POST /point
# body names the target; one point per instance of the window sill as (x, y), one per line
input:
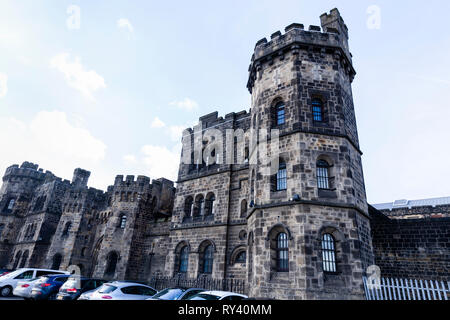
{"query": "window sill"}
(328, 193)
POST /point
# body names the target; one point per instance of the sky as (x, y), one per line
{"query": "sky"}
(109, 85)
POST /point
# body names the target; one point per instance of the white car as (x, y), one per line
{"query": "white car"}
(218, 295)
(122, 290)
(23, 288)
(9, 281)
(87, 295)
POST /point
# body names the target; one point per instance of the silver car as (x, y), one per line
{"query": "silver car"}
(24, 287)
(122, 290)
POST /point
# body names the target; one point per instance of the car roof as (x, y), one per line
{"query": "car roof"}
(123, 283)
(222, 293)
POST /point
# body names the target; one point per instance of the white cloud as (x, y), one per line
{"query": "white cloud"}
(176, 132)
(156, 161)
(186, 104)
(77, 77)
(158, 123)
(125, 23)
(3, 84)
(50, 140)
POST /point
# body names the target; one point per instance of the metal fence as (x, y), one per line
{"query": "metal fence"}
(406, 289)
(233, 285)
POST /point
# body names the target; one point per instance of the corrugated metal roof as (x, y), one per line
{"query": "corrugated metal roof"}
(413, 203)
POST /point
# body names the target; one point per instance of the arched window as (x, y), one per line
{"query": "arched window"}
(209, 204)
(123, 221)
(208, 258)
(282, 252)
(83, 252)
(24, 259)
(16, 261)
(188, 203)
(244, 208)
(199, 206)
(184, 260)
(10, 204)
(280, 111)
(328, 253)
(111, 264)
(280, 179)
(317, 110)
(241, 257)
(2, 226)
(323, 175)
(66, 229)
(57, 258)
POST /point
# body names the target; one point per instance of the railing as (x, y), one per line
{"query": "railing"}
(233, 285)
(406, 289)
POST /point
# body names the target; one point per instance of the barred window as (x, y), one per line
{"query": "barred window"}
(282, 252)
(328, 253)
(184, 257)
(281, 177)
(199, 206)
(123, 221)
(317, 109)
(280, 113)
(208, 258)
(11, 204)
(323, 175)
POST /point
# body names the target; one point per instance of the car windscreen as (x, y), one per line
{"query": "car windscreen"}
(73, 282)
(202, 296)
(168, 294)
(107, 288)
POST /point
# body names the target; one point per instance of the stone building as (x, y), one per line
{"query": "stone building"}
(274, 196)
(51, 223)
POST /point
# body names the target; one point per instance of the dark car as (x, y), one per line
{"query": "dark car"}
(176, 294)
(48, 286)
(74, 287)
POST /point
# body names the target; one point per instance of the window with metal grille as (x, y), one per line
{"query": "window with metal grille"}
(317, 109)
(123, 221)
(282, 177)
(184, 256)
(11, 204)
(282, 252)
(280, 114)
(328, 253)
(323, 175)
(208, 258)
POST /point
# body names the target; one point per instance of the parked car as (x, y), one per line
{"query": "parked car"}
(9, 281)
(87, 295)
(176, 294)
(24, 287)
(72, 289)
(218, 295)
(48, 287)
(123, 290)
(5, 271)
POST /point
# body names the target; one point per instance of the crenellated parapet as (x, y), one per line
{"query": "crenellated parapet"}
(28, 170)
(331, 37)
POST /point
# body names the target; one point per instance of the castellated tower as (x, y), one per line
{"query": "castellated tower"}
(301, 230)
(309, 229)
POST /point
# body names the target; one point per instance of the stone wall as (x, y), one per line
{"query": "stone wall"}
(412, 248)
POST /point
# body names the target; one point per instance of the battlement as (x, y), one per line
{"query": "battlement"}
(28, 170)
(213, 120)
(130, 183)
(331, 36)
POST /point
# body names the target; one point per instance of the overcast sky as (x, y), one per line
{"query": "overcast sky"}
(108, 85)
